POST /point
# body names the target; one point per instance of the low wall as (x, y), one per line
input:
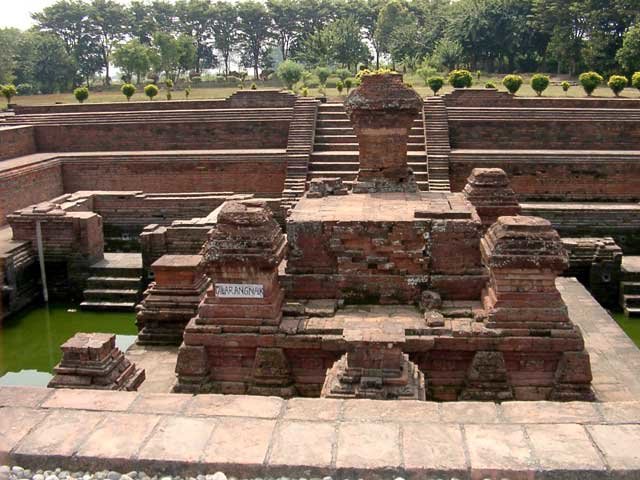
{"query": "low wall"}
(242, 98)
(16, 141)
(556, 175)
(195, 135)
(29, 185)
(477, 97)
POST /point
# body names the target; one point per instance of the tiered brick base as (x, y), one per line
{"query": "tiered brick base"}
(92, 360)
(172, 300)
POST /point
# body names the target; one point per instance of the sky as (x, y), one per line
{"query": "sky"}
(17, 13)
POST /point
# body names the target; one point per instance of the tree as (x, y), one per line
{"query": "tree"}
(290, 73)
(225, 31)
(317, 49)
(617, 83)
(128, 90)
(286, 23)
(590, 81)
(348, 47)
(628, 56)
(323, 74)
(512, 83)
(391, 17)
(8, 92)
(255, 33)
(175, 55)
(109, 19)
(565, 86)
(81, 94)
(448, 54)
(151, 91)
(196, 19)
(133, 59)
(9, 39)
(45, 63)
(539, 83)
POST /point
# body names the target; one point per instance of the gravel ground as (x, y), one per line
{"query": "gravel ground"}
(19, 473)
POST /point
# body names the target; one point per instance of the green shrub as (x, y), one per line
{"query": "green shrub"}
(348, 83)
(305, 92)
(460, 78)
(290, 73)
(128, 90)
(254, 86)
(241, 86)
(565, 86)
(8, 92)
(590, 81)
(168, 83)
(151, 91)
(635, 80)
(339, 86)
(489, 84)
(435, 84)
(343, 73)
(478, 74)
(512, 83)
(539, 83)
(323, 74)
(81, 94)
(617, 83)
(169, 95)
(25, 89)
(187, 92)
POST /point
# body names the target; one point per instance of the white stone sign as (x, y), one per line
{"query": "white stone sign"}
(239, 290)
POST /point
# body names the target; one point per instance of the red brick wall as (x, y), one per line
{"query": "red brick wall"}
(198, 174)
(29, 185)
(16, 141)
(164, 136)
(538, 178)
(544, 134)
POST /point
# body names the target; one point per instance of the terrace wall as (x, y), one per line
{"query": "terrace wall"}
(16, 141)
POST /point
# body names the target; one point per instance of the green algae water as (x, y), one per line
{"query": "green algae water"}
(631, 326)
(30, 341)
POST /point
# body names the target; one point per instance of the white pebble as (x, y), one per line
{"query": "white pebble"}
(219, 476)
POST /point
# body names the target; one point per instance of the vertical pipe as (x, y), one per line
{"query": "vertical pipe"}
(43, 274)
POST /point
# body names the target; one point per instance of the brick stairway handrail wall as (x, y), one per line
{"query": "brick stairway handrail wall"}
(268, 436)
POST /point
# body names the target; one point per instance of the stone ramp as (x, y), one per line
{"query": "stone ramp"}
(268, 436)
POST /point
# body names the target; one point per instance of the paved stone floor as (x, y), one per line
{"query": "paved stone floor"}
(268, 436)
(631, 263)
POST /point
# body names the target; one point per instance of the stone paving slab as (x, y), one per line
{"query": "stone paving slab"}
(269, 436)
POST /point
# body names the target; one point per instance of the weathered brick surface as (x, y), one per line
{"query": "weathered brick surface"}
(29, 185)
(149, 135)
(16, 141)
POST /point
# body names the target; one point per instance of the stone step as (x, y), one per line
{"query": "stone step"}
(630, 288)
(631, 301)
(111, 295)
(632, 312)
(108, 306)
(113, 282)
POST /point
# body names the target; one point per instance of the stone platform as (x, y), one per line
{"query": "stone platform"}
(268, 436)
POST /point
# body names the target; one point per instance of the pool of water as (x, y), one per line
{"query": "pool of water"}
(30, 342)
(631, 326)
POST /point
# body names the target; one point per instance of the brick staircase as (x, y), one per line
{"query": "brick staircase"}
(335, 152)
(630, 286)
(299, 147)
(115, 283)
(436, 133)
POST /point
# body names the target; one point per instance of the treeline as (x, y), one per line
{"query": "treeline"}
(76, 41)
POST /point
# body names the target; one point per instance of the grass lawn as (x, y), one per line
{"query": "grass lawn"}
(631, 326)
(223, 92)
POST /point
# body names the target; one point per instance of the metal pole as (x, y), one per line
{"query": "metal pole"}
(43, 273)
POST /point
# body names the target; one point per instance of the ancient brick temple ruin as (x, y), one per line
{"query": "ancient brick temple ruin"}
(92, 361)
(386, 291)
